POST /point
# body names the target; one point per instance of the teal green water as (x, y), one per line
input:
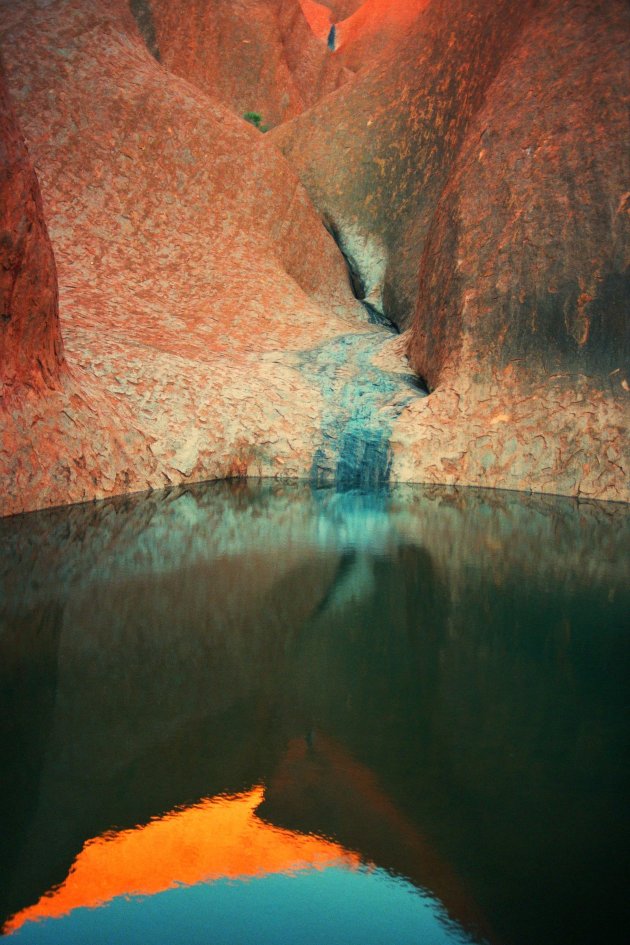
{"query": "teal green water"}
(428, 689)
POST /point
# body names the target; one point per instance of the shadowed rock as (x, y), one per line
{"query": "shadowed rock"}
(30, 339)
(376, 156)
(528, 255)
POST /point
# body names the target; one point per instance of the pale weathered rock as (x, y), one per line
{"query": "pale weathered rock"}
(185, 247)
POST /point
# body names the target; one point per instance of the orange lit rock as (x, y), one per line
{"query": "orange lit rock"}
(376, 26)
(340, 9)
(254, 55)
(30, 339)
(318, 17)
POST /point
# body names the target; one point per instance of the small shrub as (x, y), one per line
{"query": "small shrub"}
(255, 119)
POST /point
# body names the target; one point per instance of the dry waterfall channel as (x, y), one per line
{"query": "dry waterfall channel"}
(362, 401)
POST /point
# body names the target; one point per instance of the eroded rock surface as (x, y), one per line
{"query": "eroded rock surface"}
(528, 257)
(190, 262)
(473, 175)
(256, 56)
(474, 178)
(522, 315)
(376, 156)
(375, 27)
(30, 339)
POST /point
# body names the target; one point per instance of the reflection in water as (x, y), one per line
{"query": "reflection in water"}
(217, 838)
(433, 678)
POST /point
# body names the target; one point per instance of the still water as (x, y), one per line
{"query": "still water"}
(265, 714)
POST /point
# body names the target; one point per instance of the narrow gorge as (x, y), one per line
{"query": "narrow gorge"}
(178, 310)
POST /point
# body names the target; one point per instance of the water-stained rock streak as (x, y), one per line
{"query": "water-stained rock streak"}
(362, 401)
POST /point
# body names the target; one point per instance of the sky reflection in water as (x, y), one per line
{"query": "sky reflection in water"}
(267, 713)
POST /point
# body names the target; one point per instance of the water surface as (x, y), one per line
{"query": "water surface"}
(262, 713)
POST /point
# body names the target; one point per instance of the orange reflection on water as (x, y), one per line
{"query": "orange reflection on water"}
(219, 838)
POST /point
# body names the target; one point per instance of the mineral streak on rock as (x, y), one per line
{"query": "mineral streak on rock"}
(30, 340)
(362, 401)
(143, 15)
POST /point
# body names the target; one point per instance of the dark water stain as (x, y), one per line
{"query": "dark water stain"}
(143, 15)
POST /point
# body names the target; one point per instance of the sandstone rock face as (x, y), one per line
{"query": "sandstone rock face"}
(191, 264)
(321, 16)
(30, 339)
(318, 17)
(340, 9)
(375, 27)
(522, 320)
(477, 185)
(256, 56)
(375, 156)
(527, 262)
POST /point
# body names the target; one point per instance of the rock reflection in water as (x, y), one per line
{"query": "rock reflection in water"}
(434, 679)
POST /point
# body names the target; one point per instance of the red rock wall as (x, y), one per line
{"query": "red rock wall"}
(30, 339)
(521, 324)
(527, 262)
(377, 26)
(322, 15)
(191, 264)
(253, 55)
(376, 156)
(315, 71)
(341, 9)
(194, 270)
(318, 17)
